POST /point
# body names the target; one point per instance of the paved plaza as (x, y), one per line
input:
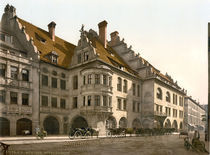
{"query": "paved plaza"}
(148, 145)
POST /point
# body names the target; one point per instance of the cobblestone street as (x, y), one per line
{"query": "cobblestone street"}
(151, 145)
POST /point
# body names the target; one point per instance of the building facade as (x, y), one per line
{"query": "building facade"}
(50, 83)
(162, 98)
(195, 115)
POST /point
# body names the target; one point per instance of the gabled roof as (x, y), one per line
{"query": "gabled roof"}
(110, 56)
(45, 45)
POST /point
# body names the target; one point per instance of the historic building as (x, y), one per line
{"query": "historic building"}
(50, 83)
(195, 115)
(19, 77)
(162, 98)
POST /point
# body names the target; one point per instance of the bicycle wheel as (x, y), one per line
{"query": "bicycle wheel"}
(87, 134)
(77, 134)
(109, 134)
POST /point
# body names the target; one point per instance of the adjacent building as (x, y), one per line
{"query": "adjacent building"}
(195, 115)
(50, 83)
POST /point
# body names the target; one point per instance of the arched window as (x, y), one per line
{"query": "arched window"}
(159, 93)
(168, 97)
(119, 84)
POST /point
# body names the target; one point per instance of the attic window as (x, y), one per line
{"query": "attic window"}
(116, 64)
(54, 59)
(6, 38)
(86, 56)
(41, 39)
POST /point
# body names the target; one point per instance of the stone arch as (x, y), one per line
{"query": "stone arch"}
(180, 125)
(79, 122)
(136, 123)
(175, 125)
(23, 124)
(111, 122)
(123, 122)
(167, 123)
(4, 127)
(51, 125)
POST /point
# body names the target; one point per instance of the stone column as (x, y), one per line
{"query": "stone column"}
(101, 100)
(7, 97)
(19, 98)
(13, 123)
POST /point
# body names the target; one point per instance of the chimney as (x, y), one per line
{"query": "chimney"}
(102, 32)
(51, 28)
(114, 38)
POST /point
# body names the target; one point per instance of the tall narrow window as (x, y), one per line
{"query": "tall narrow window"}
(134, 89)
(119, 103)
(159, 94)
(25, 75)
(124, 104)
(97, 78)
(54, 102)
(44, 101)
(134, 106)
(110, 101)
(138, 90)
(119, 84)
(125, 87)
(110, 81)
(74, 102)
(63, 84)
(89, 78)
(2, 70)
(86, 56)
(79, 58)
(168, 97)
(174, 100)
(2, 96)
(104, 79)
(62, 103)
(75, 82)
(139, 107)
(13, 98)
(54, 82)
(84, 80)
(14, 72)
(104, 100)
(44, 80)
(84, 98)
(97, 100)
(25, 99)
(89, 100)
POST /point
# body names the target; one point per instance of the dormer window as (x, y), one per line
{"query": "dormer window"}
(6, 38)
(54, 57)
(41, 39)
(86, 56)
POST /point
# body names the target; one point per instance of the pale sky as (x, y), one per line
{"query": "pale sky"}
(170, 34)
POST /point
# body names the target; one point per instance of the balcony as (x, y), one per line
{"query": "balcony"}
(16, 109)
(95, 109)
(158, 113)
(53, 110)
(96, 88)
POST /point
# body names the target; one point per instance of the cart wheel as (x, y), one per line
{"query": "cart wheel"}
(87, 134)
(108, 134)
(77, 134)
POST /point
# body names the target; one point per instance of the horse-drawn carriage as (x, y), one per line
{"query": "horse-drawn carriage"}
(196, 145)
(116, 132)
(82, 133)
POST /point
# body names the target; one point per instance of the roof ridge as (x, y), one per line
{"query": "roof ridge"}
(43, 30)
